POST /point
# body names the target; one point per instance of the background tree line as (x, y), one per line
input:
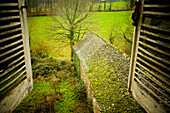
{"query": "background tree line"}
(48, 7)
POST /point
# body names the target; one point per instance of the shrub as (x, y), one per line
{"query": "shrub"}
(46, 66)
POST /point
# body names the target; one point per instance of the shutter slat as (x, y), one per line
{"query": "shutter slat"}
(156, 35)
(10, 25)
(12, 44)
(153, 67)
(156, 42)
(9, 18)
(153, 80)
(155, 28)
(11, 31)
(10, 69)
(12, 86)
(158, 90)
(12, 56)
(156, 13)
(15, 61)
(150, 91)
(154, 61)
(1, 82)
(156, 6)
(153, 48)
(153, 73)
(9, 38)
(152, 55)
(9, 11)
(11, 82)
(9, 4)
(12, 50)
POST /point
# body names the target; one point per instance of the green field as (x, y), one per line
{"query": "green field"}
(102, 23)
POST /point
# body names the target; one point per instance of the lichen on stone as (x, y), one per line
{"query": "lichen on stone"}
(108, 74)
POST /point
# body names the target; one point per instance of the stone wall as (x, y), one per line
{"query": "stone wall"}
(104, 70)
(89, 89)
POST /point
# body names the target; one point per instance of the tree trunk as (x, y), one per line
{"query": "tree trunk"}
(105, 5)
(71, 48)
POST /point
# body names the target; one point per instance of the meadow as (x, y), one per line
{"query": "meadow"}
(103, 23)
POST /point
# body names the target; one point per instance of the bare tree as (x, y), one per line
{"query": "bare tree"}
(70, 26)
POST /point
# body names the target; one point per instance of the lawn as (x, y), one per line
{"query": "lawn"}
(40, 36)
(102, 23)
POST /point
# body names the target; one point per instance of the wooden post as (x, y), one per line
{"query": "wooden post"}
(23, 18)
(135, 46)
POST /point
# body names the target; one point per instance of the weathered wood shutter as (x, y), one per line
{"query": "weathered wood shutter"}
(15, 64)
(149, 78)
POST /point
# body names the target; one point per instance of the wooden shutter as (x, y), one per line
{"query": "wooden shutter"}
(15, 64)
(149, 78)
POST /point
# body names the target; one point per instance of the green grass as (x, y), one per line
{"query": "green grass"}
(35, 98)
(40, 33)
(105, 22)
(102, 23)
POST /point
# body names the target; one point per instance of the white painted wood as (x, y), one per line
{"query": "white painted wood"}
(156, 35)
(10, 38)
(155, 28)
(154, 61)
(23, 18)
(9, 103)
(10, 69)
(144, 82)
(154, 74)
(12, 56)
(135, 47)
(9, 18)
(153, 80)
(4, 80)
(154, 48)
(9, 11)
(150, 84)
(146, 100)
(10, 25)
(156, 13)
(10, 31)
(11, 82)
(155, 57)
(12, 50)
(9, 4)
(12, 44)
(155, 41)
(16, 60)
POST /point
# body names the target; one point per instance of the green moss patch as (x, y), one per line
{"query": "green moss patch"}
(108, 74)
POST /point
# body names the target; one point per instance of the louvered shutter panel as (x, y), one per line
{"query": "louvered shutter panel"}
(15, 64)
(149, 79)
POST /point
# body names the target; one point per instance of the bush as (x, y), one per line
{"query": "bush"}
(44, 66)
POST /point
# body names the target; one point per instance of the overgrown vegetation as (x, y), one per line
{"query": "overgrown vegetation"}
(57, 88)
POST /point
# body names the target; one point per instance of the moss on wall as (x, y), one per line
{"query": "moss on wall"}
(108, 74)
